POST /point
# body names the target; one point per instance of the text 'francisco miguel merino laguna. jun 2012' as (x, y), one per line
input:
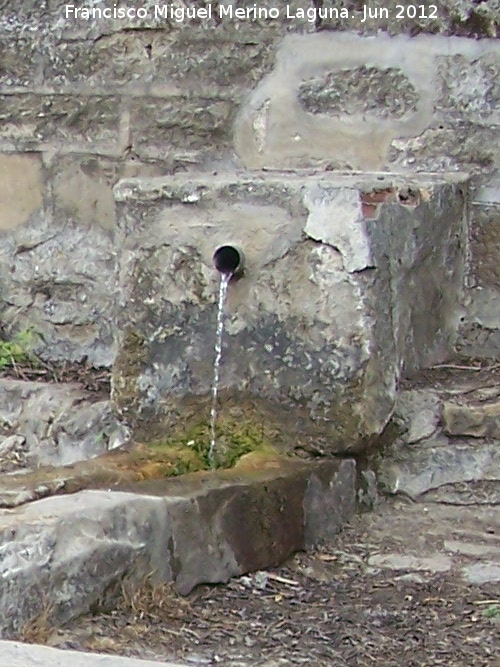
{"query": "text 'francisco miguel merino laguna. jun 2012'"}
(181, 14)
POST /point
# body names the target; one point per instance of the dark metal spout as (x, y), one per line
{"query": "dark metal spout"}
(229, 259)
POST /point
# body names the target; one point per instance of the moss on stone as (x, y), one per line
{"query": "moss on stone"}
(189, 450)
(165, 460)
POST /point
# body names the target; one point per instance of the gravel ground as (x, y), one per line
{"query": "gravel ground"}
(393, 590)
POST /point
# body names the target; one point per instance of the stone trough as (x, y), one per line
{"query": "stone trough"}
(64, 555)
(349, 281)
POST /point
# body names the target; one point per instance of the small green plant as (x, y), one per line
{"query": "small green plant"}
(492, 611)
(18, 350)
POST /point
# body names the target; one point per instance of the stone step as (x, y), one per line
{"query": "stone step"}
(61, 555)
(448, 447)
(15, 654)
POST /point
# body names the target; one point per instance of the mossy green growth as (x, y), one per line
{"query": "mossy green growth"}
(18, 350)
(492, 611)
(166, 460)
(190, 449)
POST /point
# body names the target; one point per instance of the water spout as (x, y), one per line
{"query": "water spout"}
(224, 282)
(229, 260)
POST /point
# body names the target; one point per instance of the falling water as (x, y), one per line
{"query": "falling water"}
(224, 282)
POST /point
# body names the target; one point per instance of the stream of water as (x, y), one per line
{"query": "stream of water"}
(224, 282)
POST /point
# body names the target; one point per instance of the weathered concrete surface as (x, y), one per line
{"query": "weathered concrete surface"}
(15, 654)
(62, 555)
(19, 172)
(53, 424)
(348, 280)
(357, 100)
(448, 449)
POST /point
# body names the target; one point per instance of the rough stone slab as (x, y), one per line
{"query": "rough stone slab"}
(481, 492)
(58, 280)
(480, 330)
(196, 60)
(471, 549)
(434, 563)
(29, 120)
(53, 424)
(15, 654)
(63, 554)
(482, 573)
(481, 420)
(419, 469)
(319, 329)
(182, 124)
(485, 238)
(417, 413)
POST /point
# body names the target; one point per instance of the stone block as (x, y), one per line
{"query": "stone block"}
(479, 332)
(417, 414)
(58, 281)
(20, 63)
(21, 189)
(29, 120)
(200, 60)
(111, 63)
(163, 62)
(469, 90)
(62, 555)
(54, 424)
(185, 126)
(82, 190)
(452, 17)
(316, 332)
(447, 147)
(484, 244)
(478, 419)
(438, 463)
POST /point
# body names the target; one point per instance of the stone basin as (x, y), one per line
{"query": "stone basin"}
(63, 555)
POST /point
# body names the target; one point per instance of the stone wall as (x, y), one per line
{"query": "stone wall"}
(86, 102)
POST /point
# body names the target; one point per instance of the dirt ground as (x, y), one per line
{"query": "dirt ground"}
(408, 585)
